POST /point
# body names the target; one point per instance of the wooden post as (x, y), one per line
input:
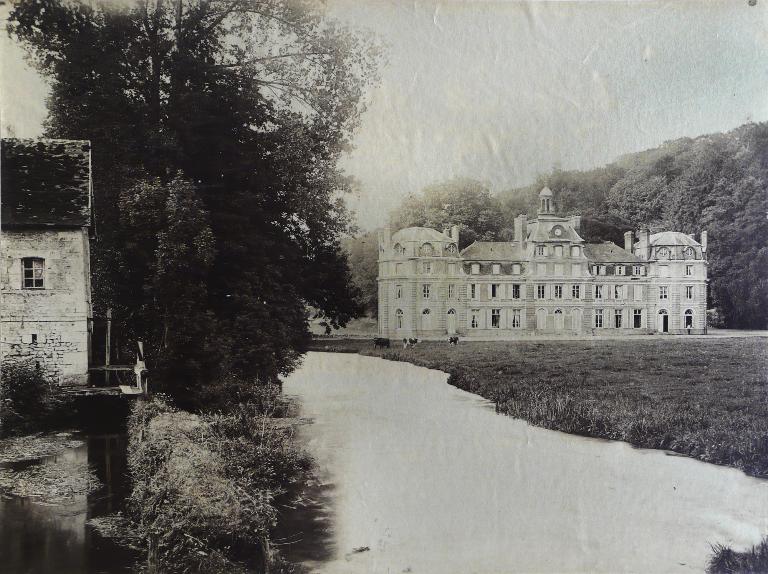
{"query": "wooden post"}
(108, 350)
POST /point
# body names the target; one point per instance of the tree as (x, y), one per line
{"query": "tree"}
(253, 101)
(363, 256)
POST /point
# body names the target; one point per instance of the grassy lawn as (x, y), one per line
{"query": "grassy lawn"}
(704, 398)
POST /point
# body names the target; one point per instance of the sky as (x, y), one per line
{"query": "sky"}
(503, 91)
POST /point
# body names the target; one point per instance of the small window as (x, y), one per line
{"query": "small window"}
(576, 291)
(33, 269)
(516, 269)
(515, 291)
(495, 318)
(617, 318)
(689, 270)
(598, 318)
(398, 291)
(516, 318)
(425, 290)
(598, 291)
(689, 291)
(496, 269)
(558, 291)
(475, 269)
(637, 269)
(451, 249)
(427, 250)
(399, 319)
(399, 249)
(427, 267)
(541, 250)
(540, 291)
(620, 269)
(662, 253)
(34, 338)
(475, 320)
(638, 318)
(689, 253)
(601, 269)
(451, 291)
(663, 292)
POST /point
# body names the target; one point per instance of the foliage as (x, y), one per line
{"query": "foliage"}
(204, 485)
(701, 397)
(464, 202)
(232, 115)
(725, 560)
(29, 401)
(363, 254)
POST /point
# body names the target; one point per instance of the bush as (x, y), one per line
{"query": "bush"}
(29, 401)
(204, 484)
(725, 560)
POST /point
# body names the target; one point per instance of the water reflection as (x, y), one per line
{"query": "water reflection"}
(429, 479)
(41, 538)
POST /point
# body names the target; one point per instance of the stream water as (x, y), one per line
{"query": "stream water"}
(418, 476)
(56, 539)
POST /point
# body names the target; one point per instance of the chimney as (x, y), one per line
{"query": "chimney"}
(455, 234)
(628, 241)
(576, 223)
(645, 238)
(521, 228)
(446, 231)
(703, 243)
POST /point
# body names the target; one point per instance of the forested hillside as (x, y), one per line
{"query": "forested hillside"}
(716, 182)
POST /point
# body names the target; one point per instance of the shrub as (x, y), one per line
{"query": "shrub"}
(29, 401)
(725, 560)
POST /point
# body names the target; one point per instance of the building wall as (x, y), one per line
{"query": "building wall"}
(50, 325)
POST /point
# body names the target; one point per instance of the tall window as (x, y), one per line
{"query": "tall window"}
(495, 290)
(496, 269)
(516, 291)
(601, 269)
(617, 317)
(427, 249)
(425, 290)
(663, 292)
(516, 318)
(495, 318)
(398, 291)
(475, 321)
(618, 292)
(558, 250)
(451, 269)
(576, 269)
(427, 267)
(558, 291)
(620, 269)
(688, 318)
(689, 291)
(598, 291)
(559, 269)
(399, 319)
(689, 270)
(576, 291)
(637, 269)
(598, 318)
(541, 268)
(575, 251)
(473, 290)
(475, 269)
(663, 270)
(638, 292)
(516, 269)
(451, 291)
(638, 318)
(540, 290)
(33, 272)
(398, 268)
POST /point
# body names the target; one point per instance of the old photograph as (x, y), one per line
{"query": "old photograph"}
(383, 286)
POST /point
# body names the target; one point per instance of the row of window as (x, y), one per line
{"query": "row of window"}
(557, 250)
(666, 253)
(427, 249)
(637, 270)
(513, 290)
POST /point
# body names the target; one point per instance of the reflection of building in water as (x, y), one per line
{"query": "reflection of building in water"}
(548, 280)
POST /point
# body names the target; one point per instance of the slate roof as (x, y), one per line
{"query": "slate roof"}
(669, 239)
(538, 231)
(419, 234)
(493, 251)
(45, 183)
(608, 252)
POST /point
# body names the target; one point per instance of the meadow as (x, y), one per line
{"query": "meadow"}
(704, 398)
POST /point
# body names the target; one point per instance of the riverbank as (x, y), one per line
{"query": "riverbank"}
(703, 398)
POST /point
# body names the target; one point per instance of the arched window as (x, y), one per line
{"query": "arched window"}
(541, 319)
(689, 253)
(399, 319)
(399, 249)
(662, 253)
(426, 319)
(427, 250)
(451, 249)
(688, 319)
(575, 251)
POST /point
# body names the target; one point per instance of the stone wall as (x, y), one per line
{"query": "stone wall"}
(48, 326)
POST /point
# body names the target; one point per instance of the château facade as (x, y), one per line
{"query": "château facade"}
(547, 281)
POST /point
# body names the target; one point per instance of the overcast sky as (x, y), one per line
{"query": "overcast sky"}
(502, 91)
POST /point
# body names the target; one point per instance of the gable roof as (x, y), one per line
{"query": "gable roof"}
(45, 183)
(493, 251)
(608, 252)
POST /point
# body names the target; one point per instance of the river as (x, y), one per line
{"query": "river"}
(418, 476)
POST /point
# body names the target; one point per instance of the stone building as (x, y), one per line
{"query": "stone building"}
(45, 228)
(547, 281)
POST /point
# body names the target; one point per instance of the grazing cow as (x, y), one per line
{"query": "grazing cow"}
(409, 342)
(454, 340)
(380, 343)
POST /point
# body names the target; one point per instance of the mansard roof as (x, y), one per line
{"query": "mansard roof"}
(609, 252)
(419, 234)
(669, 239)
(45, 183)
(493, 251)
(540, 230)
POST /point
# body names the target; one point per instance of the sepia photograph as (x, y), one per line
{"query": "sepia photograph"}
(383, 286)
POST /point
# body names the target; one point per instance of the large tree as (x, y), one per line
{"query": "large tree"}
(237, 109)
